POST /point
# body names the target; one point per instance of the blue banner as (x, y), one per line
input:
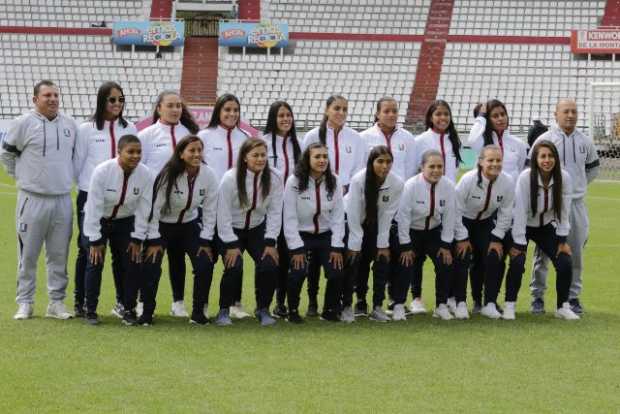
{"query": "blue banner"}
(264, 34)
(146, 33)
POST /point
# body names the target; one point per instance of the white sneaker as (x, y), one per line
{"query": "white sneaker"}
(237, 311)
(417, 307)
(378, 315)
(139, 309)
(490, 311)
(178, 309)
(460, 312)
(509, 311)
(24, 311)
(56, 309)
(347, 315)
(398, 314)
(452, 305)
(204, 310)
(442, 312)
(565, 312)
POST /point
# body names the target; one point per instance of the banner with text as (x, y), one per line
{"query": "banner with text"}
(146, 33)
(598, 41)
(263, 35)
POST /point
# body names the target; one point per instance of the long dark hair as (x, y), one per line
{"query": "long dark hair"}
(323, 126)
(242, 171)
(187, 120)
(371, 184)
(481, 156)
(557, 179)
(173, 169)
(102, 101)
(272, 128)
(488, 130)
(302, 171)
(453, 135)
(380, 102)
(217, 109)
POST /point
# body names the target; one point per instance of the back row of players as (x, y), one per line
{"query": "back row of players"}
(350, 200)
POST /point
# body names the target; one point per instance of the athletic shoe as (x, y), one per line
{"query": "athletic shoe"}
(198, 318)
(56, 309)
(79, 311)
(24, 311)
(330, 316)
(378, 315)
(92, 318)
(399, 312)
(442, 312)
(145, 320)
(139, 309)
(490, 311)
(264, 317)
(293, 317)
(204, 310)
(237, 312)
(279, 311)
(417, 307)
(129, 318)
(565, 312)
(178, 309)
(538, 306)
(477, 308)
(223, 318)
(361, 308)
(452, 305)
(118, 310)
(347, 315)
(460, 312)
(313, 310)
(575, 306)
(509, 311)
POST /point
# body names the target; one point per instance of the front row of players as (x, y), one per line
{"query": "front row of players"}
(480, 223)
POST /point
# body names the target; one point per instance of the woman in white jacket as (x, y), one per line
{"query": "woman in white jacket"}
(314, 223)
(249, 217)
(542, 205)
(370, 205)
(97, 141)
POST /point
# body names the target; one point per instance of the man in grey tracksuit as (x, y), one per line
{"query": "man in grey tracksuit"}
(38, 153)
(580, 159)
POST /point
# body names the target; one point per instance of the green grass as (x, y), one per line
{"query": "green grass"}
(535, 364)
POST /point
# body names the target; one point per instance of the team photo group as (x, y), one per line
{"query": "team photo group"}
(339, 202)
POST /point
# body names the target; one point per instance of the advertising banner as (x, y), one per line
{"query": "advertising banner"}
(147, 33)
(261, 35)
(600, 41)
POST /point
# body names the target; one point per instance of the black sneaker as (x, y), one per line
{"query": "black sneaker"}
(361, 308)
(331, 316)
(293, 317)
(144, 320)
(92, 318)
(538, 306)
(199, 318)
(476, 308)
(280, 311)
(129, 318)
(79, 311)
(575, 306)
(313, 310)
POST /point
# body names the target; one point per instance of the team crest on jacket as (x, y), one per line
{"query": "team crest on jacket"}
(202, 192)
(442, 203)
(582, 149)
(329, 197)
(348, 149)
(67, 132)
(136, 191)
(401, 147)
(386, 198)
(500, 198)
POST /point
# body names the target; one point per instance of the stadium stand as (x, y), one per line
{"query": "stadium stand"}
(79, 64)
(350, 16)
(524, 17)
(71, 13)
(360, 71)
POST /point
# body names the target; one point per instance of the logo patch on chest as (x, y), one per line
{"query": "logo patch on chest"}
(386, 198)
(67, 132)
(500, 198)
(202, 192)
(442, 203)
(136, 190)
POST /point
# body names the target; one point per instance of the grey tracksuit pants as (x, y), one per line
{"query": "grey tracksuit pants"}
(577, 238)
(42, 220)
